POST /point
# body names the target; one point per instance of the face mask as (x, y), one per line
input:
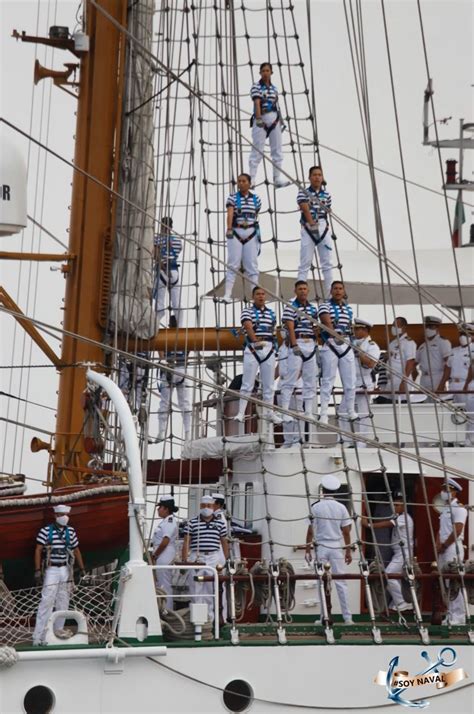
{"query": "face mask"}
(358, 340)
(444, 496)
(396, 330)
(205, 512)
(62, 520)
(430, 332)
(463, 341)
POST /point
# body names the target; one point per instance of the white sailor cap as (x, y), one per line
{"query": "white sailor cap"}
(359, 322)
(208, 500)
(61, 509)
(218, 497)
(330, 482)
(466, 327)
(166, 498)
(430, 320)
(454, 484)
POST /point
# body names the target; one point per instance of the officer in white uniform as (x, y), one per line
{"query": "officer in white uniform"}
(266, 124)
(243, 236)
(432, 357)
(461, 377)
(402, 543)
(450, 545)
(299, 321)
(167, 280)
(336, 354)
(401, 356)
(164, 546)
(57, 547)
(205, 536)
(168, 382)
(331, 524)
(365, 362)
(258, 321)
(314, 203)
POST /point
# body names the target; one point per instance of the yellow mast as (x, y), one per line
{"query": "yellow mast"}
(98, 134)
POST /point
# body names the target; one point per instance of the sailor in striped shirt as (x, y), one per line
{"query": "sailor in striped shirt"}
(243, 235)
(337, 354)
(266, 124)
(57, 547)
(204, 537)
(302, 340)
(258, 322)
(167, 250)
(314, 203)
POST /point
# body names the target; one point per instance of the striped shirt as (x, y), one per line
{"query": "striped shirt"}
(60, 539)
(205, 535)
(268, 95)
(246, 209)
(341, 316)
(303, 325)
(263, 321)
(169, 247)
(310, 196)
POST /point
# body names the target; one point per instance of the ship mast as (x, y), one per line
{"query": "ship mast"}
(98, 135)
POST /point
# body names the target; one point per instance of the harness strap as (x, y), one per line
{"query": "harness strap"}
(339, 355)
(165, 278)
(255, 353)
(269, 129)
(316, 240)
(310, 356)
(245, 240)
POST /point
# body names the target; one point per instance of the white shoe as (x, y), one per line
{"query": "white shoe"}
(352, 416)
(240, 416)
(161, 437)
(274, 418)
(287, 418)
(349, 621)
(287, 445)
(454, 621)
(323, 418)
(226, 300)
(281, 182)
(404, 606)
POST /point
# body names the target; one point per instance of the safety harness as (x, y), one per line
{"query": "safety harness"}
(318, 237)
(299, 319)
(255, 323)
(240, 212)
(63, 535)
(267, 105)
(168, 254)
(326, 336)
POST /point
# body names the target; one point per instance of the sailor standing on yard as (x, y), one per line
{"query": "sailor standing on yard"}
(243, 235)
(57, 547)
(331, 523)
(164, 546)
(299, 322)
(205, 535)
(450, 546)
(432, 357)
(168, 383)
(314, 203)
(337, 354)
(167, 279)
(266, 124)
(258, 322)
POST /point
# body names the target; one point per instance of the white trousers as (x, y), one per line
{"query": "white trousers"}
(204, 591)
(334, 556)
(293, 430)
(252, 367)
(259, 137)
(168, 285)
(394, 587)
(456, 606)
(184, 395)
(431, 381)
(164, 577)
(245, 254)
(54, 596)
(307, 369)
(324, 252)
(468, 401)
(330, 364)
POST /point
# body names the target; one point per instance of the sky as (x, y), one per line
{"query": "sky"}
(47, 114)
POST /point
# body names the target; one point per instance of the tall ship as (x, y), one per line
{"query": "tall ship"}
(256, 413)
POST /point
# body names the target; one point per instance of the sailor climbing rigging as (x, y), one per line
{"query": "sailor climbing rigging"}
(266, 124)
(167, 279)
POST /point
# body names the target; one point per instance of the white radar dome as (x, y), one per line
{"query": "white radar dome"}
(12, 188)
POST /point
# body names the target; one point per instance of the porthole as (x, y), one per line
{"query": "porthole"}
(39, 700)
(238, 695)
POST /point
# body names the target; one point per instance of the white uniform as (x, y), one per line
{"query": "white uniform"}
(268, 96)
(400, 351)
(259, 361)
(459, 362)
(432, 356)
(184, 390)
(304, 366)
(364, 382)
(167, 280)
(455, 552)
(329, 516)
(243, 248)
(205, 546)
(167, 528)
(337, 356)
(322, 241)
(402, 533)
